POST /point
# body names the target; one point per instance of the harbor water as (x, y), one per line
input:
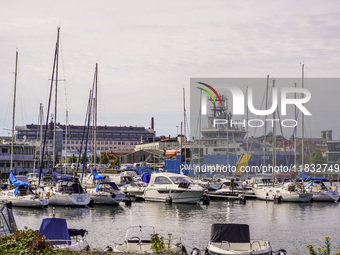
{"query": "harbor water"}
(291, 226)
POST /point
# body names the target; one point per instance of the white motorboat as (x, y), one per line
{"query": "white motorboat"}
(106, 193)
(230, 188)
(138, 239)
(288, 192)
(175, 188)
(322, 193)
(67, 192)
(20, 194)
(134, 189)
(232, 239)
(56, 232)
(8, 225)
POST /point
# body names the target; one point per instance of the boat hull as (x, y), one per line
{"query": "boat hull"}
(327, 196)
(269, 194)
(23, 201)
(82, 199)
(176, 196)
(107, 199)
(253, 248)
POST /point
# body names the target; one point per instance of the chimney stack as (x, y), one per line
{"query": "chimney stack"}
(152, 123)
(329, 134)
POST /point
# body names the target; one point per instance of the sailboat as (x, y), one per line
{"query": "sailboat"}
(19, 193)
(104, 193)
(288, 192)
(67, 191)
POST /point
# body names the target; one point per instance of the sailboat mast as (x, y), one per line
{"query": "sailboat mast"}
(273, 143)
(302, 126)
(247, 137)
(66, 139)
(95, 117)
(48, 108)
(88, 122)
(295, 132)
(55, 98)
(265, 125)
(185, 125)
(14, 98)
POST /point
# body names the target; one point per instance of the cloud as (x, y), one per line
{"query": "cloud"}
(147, 51)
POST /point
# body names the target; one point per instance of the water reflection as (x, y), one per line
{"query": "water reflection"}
(287, 225)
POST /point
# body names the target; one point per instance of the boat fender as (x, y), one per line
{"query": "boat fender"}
(195, 251)
(281, 252)
(113, 195)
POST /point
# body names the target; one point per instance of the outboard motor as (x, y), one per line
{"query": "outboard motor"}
(195, 251)
(206, 200)
(107, 248)
(281, 252)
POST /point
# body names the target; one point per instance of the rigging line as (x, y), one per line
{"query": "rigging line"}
(48, 109)
(21, 97)
(8, 112)
(64, 73)
(102, 112)
(262, 103)
(83, 137)
(88, 124)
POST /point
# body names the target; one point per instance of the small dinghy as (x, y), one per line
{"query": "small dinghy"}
(7, 221)
(227, 239)
(56, 232)
(138, 239)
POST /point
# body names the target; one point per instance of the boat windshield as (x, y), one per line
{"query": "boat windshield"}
(142, 233)
(264, 181)
(179, 179)
(33, 175)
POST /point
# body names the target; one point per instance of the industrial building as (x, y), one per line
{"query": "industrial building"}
(113, 139)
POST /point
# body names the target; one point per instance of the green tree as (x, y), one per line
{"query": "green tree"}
(104, 159)
(72, 159)
(317, 158)
(115, 162)
(82, 159)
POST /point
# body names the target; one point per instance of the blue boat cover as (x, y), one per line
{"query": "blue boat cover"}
(13, 180)
(61, 177)
(146, 177)
(55, 229)
(304, 175)
(96, 176)
(318, 179)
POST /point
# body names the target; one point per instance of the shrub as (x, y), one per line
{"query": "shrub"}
(321, 251)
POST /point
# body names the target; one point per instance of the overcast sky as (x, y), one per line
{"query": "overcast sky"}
(147, 52)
